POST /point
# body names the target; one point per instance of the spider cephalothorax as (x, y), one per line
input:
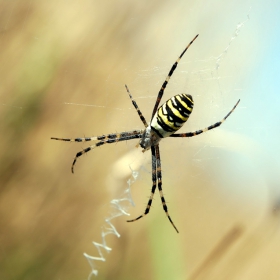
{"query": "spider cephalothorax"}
(165, 121)
(149, 138)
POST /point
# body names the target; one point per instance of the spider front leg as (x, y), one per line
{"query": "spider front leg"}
(159, 177)
(217, 124)
(154, 179)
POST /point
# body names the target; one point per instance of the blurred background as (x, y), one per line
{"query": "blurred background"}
(63, 69)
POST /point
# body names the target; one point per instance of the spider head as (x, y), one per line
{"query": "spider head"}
(149, 138)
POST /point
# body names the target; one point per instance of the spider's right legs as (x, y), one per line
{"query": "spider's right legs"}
(104, 139)
(136, 107)
(83, 139)
(99, 138)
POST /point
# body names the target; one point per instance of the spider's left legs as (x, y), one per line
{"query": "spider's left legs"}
(154, 179)
(136, 107)
(217, 124)
(174, 66)
(159, 177)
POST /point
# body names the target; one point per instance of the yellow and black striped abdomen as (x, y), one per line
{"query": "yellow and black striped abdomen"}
(172, 115)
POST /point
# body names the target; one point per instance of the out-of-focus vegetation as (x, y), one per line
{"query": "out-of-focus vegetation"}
(63, 66)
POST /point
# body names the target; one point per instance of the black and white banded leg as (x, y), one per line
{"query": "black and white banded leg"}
(217, 124)
(159, 180)
(174, 66)
(142, 118)
(154, 182)
(103, 139)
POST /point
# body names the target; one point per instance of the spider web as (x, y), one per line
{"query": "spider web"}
(54, 58)
(120, 209)
(117, 204)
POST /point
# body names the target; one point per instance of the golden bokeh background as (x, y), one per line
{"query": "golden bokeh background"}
(63, 69)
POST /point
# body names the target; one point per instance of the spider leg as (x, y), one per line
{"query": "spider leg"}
(159, 177)
(104, 139)
(160, 94)
(217, 124)
(83, 139)
(136, 107)
(98, 138)
(154, 179)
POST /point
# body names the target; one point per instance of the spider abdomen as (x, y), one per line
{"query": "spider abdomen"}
(172, 115)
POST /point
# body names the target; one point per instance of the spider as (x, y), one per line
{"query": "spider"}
(165, 121)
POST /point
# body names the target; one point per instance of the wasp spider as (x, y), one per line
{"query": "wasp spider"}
(165, 121)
